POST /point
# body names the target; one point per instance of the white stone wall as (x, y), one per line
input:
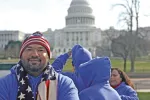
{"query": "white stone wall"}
(66, 38)
(6, 36)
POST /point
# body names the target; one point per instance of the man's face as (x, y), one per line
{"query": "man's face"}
(34, 59)
(115, 78)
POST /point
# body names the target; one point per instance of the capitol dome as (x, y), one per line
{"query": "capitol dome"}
(80, 14)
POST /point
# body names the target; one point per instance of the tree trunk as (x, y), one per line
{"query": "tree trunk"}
(125, 63)
(132, 59)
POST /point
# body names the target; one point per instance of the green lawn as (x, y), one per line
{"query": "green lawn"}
(144, 95)
(140, 66)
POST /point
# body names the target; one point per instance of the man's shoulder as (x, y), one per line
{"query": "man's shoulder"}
(8, 81)
(8, 77)
(63, 78)
(66, 88)
(65, 81)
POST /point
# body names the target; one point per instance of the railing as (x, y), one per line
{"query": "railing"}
(6, 66)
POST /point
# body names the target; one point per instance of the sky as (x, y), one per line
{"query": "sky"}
(38, 15)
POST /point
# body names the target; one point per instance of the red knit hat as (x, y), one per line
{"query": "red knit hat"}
(35, 38)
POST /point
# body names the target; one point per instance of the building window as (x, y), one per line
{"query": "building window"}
(59, 50)
(77, 38)
(86, 38)
(64, 50)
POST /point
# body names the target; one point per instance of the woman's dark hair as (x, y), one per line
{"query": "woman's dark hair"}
(124, 76)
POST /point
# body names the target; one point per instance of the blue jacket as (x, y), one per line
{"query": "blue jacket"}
(76, 79)
(60, 62)
(75, 48)
(95, 75)
(126, 92)
(79, 55)
(9, 87)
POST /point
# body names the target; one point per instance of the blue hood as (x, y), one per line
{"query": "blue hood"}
(95, 71)
(82, 55)
(75, 49)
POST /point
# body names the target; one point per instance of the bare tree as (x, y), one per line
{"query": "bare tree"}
(134, 42)
(137, 7)
(108, 35)
(120, 47)
(12, 49)
(126, 16)
(131, 9)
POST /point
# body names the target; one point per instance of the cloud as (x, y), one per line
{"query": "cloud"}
(33, 15)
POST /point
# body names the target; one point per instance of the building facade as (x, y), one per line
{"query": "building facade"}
(80, 29)
(6, 36)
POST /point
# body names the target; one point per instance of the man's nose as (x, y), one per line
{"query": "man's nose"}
(35, 53)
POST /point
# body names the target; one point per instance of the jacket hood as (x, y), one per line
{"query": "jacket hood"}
(82, 55)
(97, 70)
(75, 49)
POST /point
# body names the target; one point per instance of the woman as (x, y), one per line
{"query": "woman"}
(123, 85)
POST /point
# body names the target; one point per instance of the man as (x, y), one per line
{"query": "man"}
(95, 75)
(79, 55)
(33, 78)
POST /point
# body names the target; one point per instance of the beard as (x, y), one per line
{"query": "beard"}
(33, 65)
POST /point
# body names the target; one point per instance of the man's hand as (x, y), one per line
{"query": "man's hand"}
(69, 53)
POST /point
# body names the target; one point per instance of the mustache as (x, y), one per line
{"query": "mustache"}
(34, 58)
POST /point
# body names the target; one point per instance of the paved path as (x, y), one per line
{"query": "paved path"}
(142, 84)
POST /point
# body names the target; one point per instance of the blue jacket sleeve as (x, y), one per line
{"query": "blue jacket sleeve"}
(69, 74)
(8, 88)
(76, 79)
(4, 89)
(59, 62)
(132, 95)
(66, 89)
(83, 96)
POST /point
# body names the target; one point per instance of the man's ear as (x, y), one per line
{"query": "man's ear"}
(50, 55)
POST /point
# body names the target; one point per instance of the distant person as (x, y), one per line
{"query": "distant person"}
(96, 75)
(33, 78)
(79, 55)
(122, 84)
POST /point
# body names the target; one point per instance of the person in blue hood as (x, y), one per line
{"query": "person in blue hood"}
(79, 55)
(33, 78)
(60, 61)
(95, 75)
(123, 85)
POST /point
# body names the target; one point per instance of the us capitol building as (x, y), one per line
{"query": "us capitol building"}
(80, 29)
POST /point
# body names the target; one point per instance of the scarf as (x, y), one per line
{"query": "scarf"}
(116, 85)
(47, 89)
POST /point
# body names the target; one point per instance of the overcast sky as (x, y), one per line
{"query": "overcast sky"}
(39, 15)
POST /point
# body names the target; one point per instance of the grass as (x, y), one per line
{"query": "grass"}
(140, 65)
(144, 95)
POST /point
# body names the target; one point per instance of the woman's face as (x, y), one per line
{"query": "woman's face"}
(115, 78)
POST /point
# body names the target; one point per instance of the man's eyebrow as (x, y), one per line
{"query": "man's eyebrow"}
(41, 47)
(28, 47)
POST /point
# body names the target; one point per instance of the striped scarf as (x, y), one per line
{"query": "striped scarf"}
(47, 89)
